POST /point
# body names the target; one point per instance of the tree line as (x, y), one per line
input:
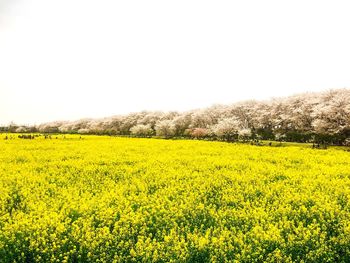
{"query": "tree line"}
(322, 117)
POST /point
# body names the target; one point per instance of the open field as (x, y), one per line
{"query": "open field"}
(104, 199)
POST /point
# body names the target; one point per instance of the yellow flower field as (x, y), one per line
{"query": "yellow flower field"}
(107, 199)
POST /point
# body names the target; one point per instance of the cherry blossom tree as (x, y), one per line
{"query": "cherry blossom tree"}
(141, 130)
(165, 128)
(227, 129)
(294, 118)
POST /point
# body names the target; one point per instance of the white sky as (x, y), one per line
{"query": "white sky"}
(68, 59)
